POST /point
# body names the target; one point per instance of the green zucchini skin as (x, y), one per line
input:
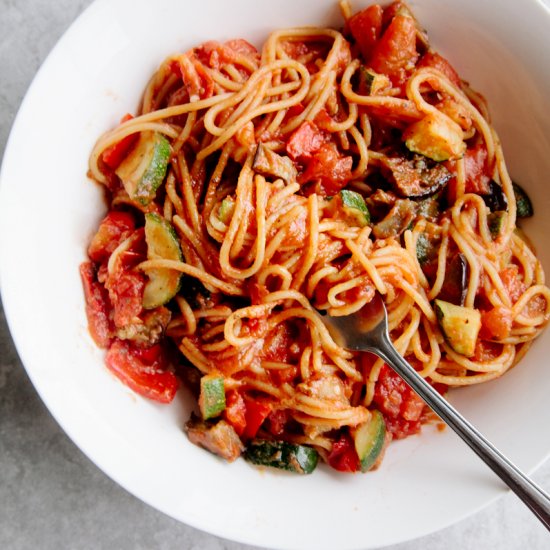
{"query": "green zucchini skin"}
(162, 243)
(299, 459)
(369, 440)
(495, 221)
(524, 206)
(353, 205)
(144, 169)
(212, 397)
(460, 326)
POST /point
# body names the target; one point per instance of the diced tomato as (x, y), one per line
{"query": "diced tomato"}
(149, 355)
(245, 414)
(97, 306)
(126, 293)
(149, 380)
(284, 376)
(235, 411)
(305, 141)
(395, 399)
(435, 61)
(277, 421)
(257, 293)
(277, 344)
(395, 53)
(391, 11)
(512, 283)
(366, 27)
(401, 428)
(323, 120)
(242, 47)
(486, 351)
(293, 111)
(535, 306)
(343, 456)
(114, 155)
(477, 170)
(213, 54)
(256, 412)
(115, 227)
(198, 82)
(496, 323)
(328, 169)
(361, 292)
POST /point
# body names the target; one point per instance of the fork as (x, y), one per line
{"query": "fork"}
(367, 330)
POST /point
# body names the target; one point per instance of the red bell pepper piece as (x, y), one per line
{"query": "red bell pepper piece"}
(114, 155)
(143, 371)
(256, 412)
(343, 456)
(97, 306)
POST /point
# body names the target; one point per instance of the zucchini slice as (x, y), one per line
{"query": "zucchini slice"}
(212, 396)
(225, 212)
(369, 440)
(460, 326)
(285, 456)
(143, 170)
(372, 83)
(162, 243)
(353, 205)
(438, 138)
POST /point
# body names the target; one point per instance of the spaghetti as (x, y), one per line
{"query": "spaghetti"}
(257, 188)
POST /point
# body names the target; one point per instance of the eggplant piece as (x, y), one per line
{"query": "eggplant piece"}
(268, 163)
(415, 177)
(455, 285)
(397, 221)
(429, 208)
(380, 203)
(496, 199)
(219, 438)
(427, 248)
(524, 205)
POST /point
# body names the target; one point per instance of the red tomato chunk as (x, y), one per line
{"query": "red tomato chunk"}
(113, 229)
(401, 407)
(343, 456)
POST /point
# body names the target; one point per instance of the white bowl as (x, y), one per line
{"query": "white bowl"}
(49, 209)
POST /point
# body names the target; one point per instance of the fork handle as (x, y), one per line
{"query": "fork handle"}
(528, 491)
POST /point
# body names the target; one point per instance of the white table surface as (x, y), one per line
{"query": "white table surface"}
(51, 495)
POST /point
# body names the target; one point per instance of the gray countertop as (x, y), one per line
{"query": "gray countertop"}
(51, 495)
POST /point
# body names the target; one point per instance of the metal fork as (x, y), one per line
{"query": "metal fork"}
(367, 330)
